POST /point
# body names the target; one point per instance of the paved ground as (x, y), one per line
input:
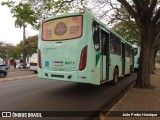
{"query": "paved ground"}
(33, 94)
(140, 100)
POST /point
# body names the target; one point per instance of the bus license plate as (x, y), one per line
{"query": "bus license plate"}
(58, 63)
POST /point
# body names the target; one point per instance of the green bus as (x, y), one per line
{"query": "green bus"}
(78, 47)
(136, 57)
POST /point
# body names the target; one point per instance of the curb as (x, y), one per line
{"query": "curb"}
(18, 77)
(123, 93)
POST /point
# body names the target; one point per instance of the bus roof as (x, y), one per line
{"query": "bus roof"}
(110, 30)
(63, 15)
(96, 19)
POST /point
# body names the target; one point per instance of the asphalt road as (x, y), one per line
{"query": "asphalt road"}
(35, 94)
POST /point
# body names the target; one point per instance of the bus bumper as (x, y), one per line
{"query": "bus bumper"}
(73, 76)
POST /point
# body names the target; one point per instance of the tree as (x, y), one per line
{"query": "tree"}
(24, 15)
(129, 31)
(6, 50)
(127, 28)
(47, 8)
(3, 53)
(147, 19)
(30, 45)
(15, 52)
(146, 14)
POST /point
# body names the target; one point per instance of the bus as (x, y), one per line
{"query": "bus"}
(136, 58)
(78, 47)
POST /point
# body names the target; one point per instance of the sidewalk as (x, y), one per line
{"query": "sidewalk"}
(140, 100)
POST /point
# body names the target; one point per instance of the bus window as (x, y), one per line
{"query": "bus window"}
(131, 52)
(103, 42)
(112, 44)
(62, 28)
(128, 51)
(96, 38)
(135, 51)
(118, 47)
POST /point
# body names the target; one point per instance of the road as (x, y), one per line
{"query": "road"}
(36, 94)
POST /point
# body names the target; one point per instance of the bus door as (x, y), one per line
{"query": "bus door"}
(123, 58)
(105, 55)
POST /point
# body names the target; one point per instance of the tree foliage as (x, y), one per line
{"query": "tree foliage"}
(29, 45)
(129, 31)
(146, 14)
(3, 52)
(24, 15)
(47, 8)
(7, 51)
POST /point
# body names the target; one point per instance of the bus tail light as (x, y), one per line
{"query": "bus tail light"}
(39, 59)
(83, 59)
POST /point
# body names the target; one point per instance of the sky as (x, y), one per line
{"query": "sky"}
(8, 32)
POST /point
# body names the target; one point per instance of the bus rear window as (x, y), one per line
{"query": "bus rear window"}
(62, 28)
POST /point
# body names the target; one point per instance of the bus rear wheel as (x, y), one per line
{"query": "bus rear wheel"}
(115, 76)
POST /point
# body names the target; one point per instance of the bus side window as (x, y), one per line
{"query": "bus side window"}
(128, 51)
(96, 36)
(112, 44)
(135, 51)
(103, 42)
(118, 46)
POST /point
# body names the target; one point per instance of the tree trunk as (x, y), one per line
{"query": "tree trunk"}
(143, 78)
(24, 51)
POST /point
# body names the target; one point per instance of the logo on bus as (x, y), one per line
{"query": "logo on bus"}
(60, 29)
(69, 63)
(46, 63)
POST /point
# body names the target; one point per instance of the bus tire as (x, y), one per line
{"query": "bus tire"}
(115, 76)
